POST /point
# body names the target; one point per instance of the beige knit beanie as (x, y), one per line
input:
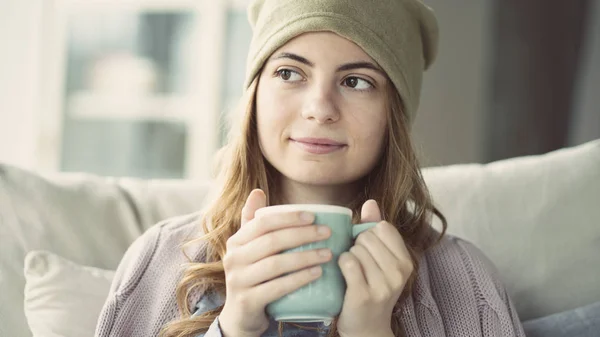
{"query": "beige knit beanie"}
(400, 35)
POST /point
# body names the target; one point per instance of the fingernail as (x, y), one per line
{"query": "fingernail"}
(307, 216)
(325, 252)
(315, 270)
(323, 230)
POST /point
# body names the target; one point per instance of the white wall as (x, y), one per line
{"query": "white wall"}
(20, 52)
(586, 123)
(449, 126)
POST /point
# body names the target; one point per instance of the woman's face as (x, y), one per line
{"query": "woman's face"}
(321, 110)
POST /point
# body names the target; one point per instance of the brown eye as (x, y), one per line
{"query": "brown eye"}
(288, 75)
(352, 82)
(357, 83)
(285, 74)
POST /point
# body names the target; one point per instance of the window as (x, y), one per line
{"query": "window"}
(141, 88)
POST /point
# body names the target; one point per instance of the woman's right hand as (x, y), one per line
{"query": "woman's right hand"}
(254, 266)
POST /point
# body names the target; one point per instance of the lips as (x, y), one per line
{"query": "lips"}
(318, 145)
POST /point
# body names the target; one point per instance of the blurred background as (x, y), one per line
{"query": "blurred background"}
(143, 88)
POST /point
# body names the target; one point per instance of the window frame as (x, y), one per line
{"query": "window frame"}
(202, 123)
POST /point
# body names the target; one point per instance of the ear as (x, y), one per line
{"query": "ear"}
(254, 9)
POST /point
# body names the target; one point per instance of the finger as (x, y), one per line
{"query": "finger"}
(371, 270)
(279, 287)
(256, 199)
(270, 223)
(277, 241)
(392, 239)
(352, 271)
(388, 264)
(370, 212)
(280, 264)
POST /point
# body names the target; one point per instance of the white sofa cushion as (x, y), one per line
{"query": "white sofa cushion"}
(537, 218)
(88, 219)
(62, 298)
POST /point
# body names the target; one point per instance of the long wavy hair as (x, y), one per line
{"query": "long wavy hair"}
(395, 183)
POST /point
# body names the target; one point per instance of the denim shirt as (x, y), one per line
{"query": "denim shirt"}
(212, 301)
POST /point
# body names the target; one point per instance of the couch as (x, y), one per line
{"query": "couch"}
(62, 235)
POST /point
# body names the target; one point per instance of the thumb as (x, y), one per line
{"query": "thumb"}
(256, 199)
(370, 212)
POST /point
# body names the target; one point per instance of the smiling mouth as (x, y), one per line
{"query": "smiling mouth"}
(318, 146)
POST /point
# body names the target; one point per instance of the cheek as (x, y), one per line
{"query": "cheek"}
(372, 147)
(369, 143)
(271, 117)
(264, 109)
(269, 120)
(371, 131)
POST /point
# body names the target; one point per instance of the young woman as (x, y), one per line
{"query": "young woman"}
(332, 89)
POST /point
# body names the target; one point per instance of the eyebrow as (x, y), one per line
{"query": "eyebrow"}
(344, 67)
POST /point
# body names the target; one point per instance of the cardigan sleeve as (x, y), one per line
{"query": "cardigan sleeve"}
(128, 274)
(458, 292)
(142, 298)
(497, 314)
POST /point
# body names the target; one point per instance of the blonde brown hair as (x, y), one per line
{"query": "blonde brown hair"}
(395, 183)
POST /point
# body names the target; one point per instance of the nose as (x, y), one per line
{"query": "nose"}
(320, 104)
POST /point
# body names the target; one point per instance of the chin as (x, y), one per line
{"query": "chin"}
(330, 177)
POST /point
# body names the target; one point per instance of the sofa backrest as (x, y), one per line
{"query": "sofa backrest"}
(537, 218)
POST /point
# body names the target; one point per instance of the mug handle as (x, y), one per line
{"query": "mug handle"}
(357, 229)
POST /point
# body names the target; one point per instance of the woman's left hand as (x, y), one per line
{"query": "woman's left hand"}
(376, 270)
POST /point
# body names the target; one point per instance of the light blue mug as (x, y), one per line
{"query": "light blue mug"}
(322, 299)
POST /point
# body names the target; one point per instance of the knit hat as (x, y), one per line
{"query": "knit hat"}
(400, 35)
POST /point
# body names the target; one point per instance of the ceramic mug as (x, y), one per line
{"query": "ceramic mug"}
(322, 299)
